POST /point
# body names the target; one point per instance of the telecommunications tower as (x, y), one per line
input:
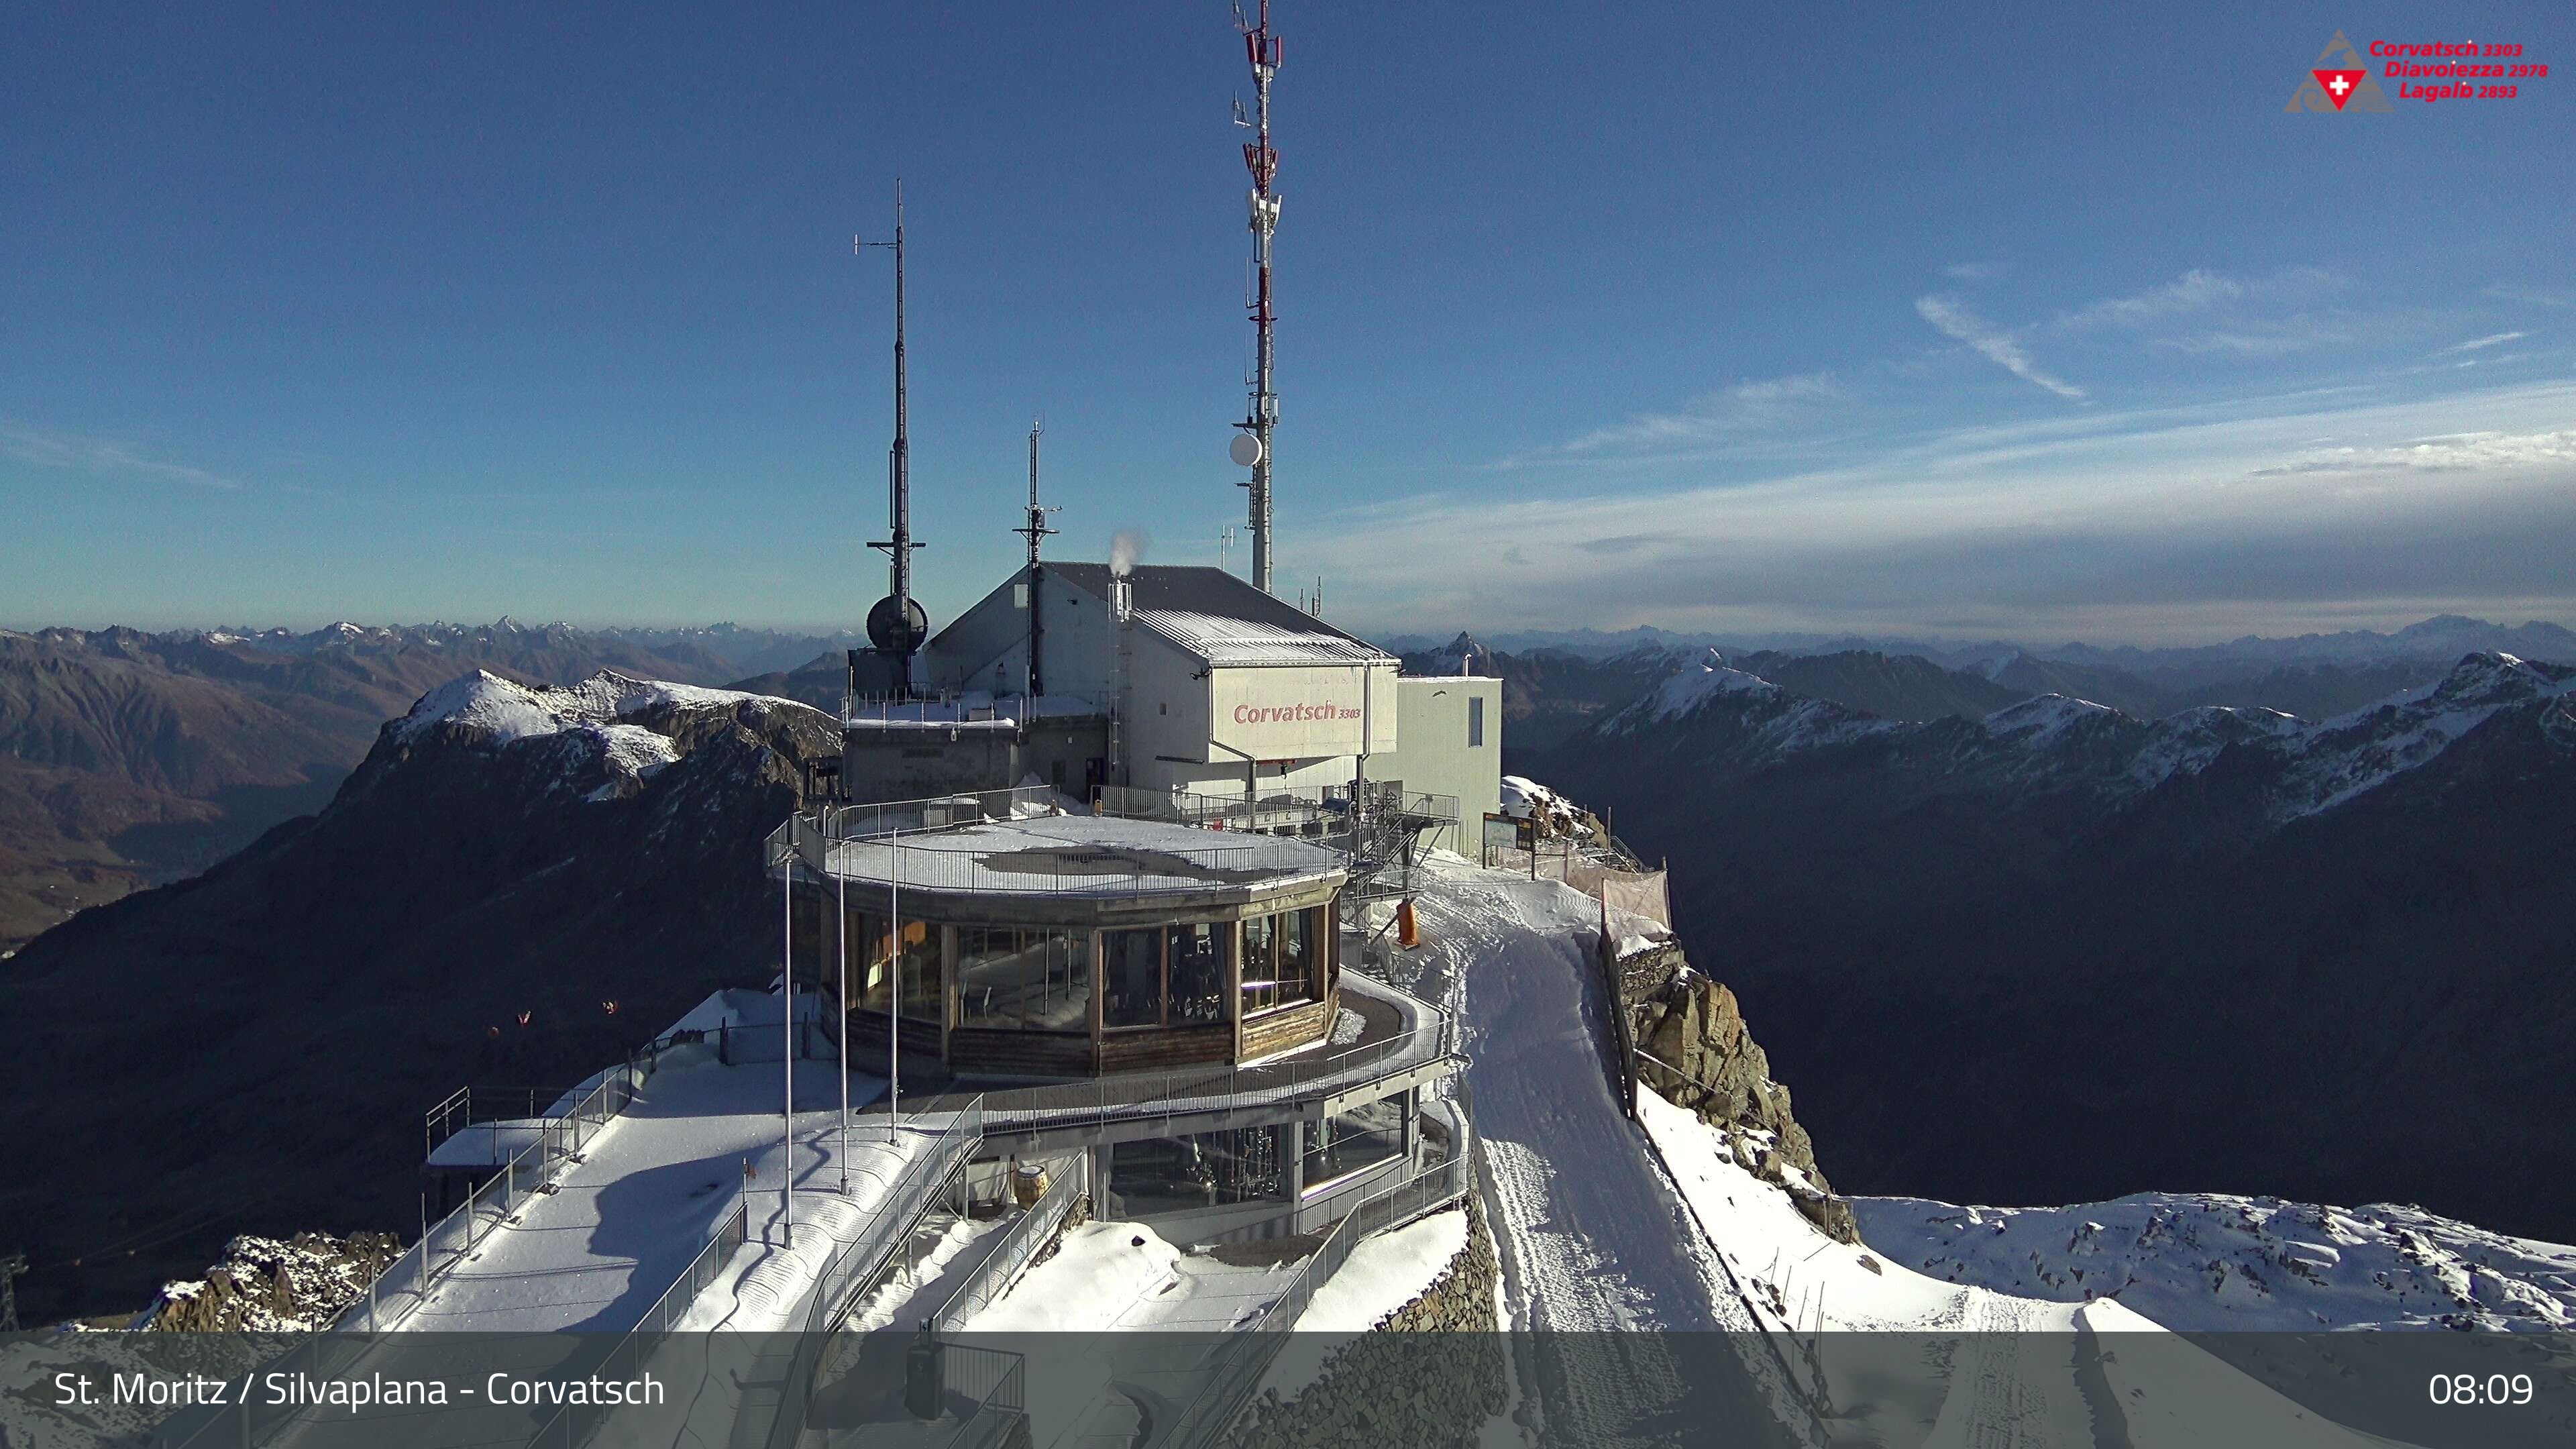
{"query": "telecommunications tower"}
(897, 626)
(1251, 446)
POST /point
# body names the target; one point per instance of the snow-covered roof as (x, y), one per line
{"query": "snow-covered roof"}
(1221, 618)
(1082, 856)
(1242, 643)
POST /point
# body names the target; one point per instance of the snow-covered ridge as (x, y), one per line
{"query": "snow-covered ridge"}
(2212, 1261)
(617, 720)
(507, 711)
(2075, 741)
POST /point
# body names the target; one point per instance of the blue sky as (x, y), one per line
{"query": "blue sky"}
(2049, 323)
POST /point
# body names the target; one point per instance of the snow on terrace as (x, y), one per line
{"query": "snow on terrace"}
(653, 1187)
(1108, 1283)
(1082, 855)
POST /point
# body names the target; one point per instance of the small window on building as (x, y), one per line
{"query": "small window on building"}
(1025, 979)
(1019, 596)
(1354, 1141)
(1131, 978)
(1198, 952)
(915, 960)
(1281, 960)
(1475, 721)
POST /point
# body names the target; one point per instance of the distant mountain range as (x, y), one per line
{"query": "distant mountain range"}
(2060, 953)
(516, 885)
(1551, 692)
(2444, 637)
(129, 758)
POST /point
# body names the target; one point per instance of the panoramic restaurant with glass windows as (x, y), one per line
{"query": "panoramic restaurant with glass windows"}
(1077, 945)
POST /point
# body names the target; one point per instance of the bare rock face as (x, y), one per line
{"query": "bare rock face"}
(1704, 1058)
(267, 1286)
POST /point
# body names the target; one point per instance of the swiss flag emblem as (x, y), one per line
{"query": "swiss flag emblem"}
(2338, 84)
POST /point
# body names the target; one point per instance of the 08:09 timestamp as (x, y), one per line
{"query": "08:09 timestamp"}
(2472, 1389)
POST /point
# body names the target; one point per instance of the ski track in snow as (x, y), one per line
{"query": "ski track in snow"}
(1566, 1174)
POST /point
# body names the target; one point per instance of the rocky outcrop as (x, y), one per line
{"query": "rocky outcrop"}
(266, 1286)
(1430, 1373)
(1700, 1055)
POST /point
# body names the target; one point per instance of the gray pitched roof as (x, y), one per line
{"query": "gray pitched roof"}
(1196, 589)
(1222, 619)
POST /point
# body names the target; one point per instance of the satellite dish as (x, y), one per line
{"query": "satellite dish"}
(1245, 450)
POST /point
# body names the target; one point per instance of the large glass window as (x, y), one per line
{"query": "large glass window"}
(1170, 1173)
(1359, 1138)
(1199, 953)
(1282, 959)
(915, 959)
(1028, 979)
(1131, 978)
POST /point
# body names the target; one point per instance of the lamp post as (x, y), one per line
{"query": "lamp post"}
(787, 998)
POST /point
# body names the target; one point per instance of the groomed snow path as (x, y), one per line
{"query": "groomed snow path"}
(1601, 1262)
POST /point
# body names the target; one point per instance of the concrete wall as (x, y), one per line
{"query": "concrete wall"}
(1432, 752)
(910, 764)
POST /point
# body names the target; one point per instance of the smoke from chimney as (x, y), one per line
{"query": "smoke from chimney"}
(1127, 549)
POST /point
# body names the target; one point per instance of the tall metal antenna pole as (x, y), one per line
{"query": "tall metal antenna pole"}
(897, 625)
(1036, 528)
(1262, 49)
(1035, 531)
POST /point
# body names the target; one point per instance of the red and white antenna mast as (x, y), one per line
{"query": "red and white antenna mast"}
(1252, 447)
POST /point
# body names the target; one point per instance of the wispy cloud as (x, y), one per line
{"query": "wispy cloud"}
(2201, 520)
(2206, 313)
(2475, 343)
(1953, 318)
(2536, 296)
(44, 448)
(2448, 453)
(1729, 414)
(1973, 271)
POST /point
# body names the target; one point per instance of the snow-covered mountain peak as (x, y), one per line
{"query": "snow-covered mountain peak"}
(502, 711)
(2212, 1261)
(1695, 685)
(2042, 719)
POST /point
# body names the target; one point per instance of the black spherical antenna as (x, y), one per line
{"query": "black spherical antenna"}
(898, 626)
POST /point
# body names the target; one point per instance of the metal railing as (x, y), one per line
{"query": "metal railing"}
(857, 1266)
(485, 1106)
(1223, 1396)
(933, 862)
(1289, 809)
(576, 1422)
(1215, 1087)
(1028, 1234)
(406, 1281)
(937, 812)
(996, 1381)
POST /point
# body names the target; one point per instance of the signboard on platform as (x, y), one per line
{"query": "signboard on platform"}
(1303, 712)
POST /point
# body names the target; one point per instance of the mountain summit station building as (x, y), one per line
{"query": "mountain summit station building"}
(1168, 680)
